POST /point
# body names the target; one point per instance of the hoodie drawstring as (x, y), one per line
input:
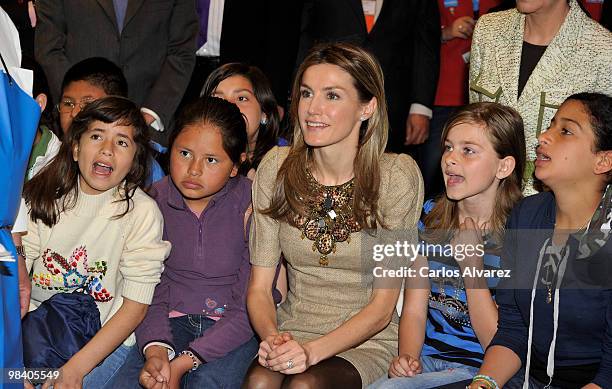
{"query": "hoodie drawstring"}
(550, 366)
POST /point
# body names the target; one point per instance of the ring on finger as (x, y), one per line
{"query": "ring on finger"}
(290, 364)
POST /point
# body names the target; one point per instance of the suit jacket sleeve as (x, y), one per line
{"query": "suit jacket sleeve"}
(426, 53)
(49, 43)
(168, 90)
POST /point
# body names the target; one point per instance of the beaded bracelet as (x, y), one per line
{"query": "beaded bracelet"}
(488, 381)
(196, 361)
(480, 386)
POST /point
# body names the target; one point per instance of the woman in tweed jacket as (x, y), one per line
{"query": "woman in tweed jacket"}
(576, 56)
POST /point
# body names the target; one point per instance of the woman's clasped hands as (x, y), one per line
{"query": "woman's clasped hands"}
(280, 352)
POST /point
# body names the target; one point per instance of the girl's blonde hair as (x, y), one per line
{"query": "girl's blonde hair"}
(504, 129)
(292, 190)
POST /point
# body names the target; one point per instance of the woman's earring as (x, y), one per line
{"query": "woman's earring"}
(363, 118)
(263, 121)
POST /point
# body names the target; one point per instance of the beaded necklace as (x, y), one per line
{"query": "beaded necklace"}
(329, 217)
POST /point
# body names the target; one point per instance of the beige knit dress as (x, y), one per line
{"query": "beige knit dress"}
(320, 298)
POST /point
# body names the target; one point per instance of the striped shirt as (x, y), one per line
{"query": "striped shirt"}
(449, 334)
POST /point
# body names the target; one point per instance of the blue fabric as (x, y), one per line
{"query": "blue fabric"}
(227, 372)
(451, 3)
(202, 8)
(584, 334)
(120, 9)
(517, 383)
(436, 372)
(101, 376)
(157, 147)
(156, 172)
(282, 142)
(19, 116)
(58, 329)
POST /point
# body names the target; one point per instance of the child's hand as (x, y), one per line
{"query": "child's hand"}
(32, 13)
(175, 379)
(281, 339)
(69, 378)
(404, 366)
(462, 28)
(178, 367)
(468, 241)
(156, 371)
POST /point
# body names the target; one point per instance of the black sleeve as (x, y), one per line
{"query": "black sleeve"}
(425, 53)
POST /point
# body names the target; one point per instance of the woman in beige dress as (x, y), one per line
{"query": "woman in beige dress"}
(322, 203)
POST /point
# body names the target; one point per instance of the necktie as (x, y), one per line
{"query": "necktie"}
(120, 8)
(369, 11)
(202, 7)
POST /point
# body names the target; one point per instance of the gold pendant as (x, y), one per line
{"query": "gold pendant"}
(323, 261)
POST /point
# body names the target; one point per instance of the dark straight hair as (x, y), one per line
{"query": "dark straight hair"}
(599, 108)
(99, 72)
(223, 115)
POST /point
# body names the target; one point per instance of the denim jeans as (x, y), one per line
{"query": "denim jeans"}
(436, 372)
(101, 375)
(224, 373)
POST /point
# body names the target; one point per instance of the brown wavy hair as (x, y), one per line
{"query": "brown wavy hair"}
(54, 189)
(504, 129)
(292, 189)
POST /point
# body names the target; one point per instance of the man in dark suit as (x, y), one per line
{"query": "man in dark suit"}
(263, 33)
(153, 41)
(405, 38)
